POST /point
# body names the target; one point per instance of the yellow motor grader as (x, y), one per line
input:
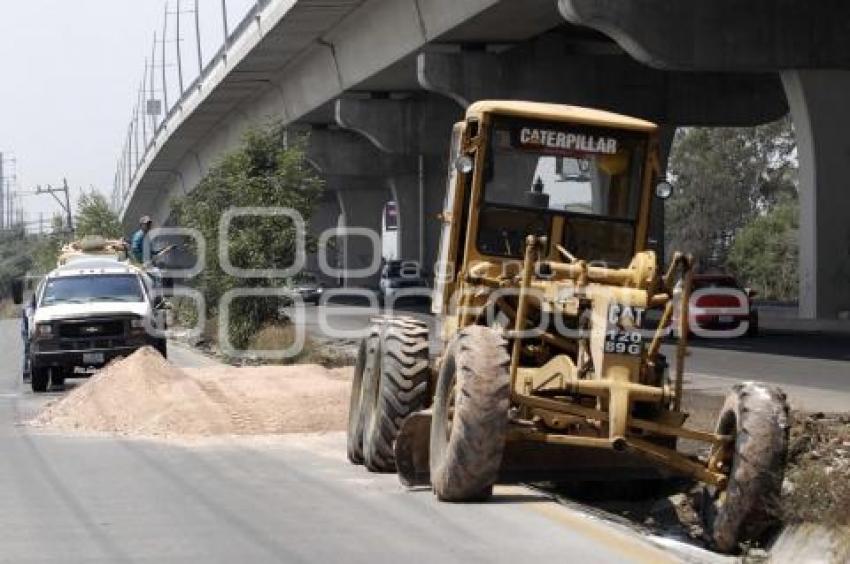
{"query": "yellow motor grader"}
(550, 370)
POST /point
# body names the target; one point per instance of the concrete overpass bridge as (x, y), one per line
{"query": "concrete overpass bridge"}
(379, 83)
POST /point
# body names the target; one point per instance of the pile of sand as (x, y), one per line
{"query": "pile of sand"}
(146, 395)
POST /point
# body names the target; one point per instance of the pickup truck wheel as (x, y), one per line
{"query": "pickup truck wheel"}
(161, 347)
(40, 379)
(57, 378)
(27, 370)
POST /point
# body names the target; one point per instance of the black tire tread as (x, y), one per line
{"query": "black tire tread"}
(403, 387)
(40, 379)
(760, 413)
(466, 467)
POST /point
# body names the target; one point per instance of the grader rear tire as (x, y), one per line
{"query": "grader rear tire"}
(361, 387)
(402, 378)
(467, 444)
(757, 415)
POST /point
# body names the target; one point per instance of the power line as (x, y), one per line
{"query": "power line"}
(66, 205)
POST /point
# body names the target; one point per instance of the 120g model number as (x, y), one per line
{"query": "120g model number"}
(623, 334)
(624, 342)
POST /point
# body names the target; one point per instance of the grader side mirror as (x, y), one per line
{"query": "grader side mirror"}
(18, 291)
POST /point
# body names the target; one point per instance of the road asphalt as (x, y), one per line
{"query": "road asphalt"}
(67, 498)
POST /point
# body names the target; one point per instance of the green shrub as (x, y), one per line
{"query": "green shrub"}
(264, 172)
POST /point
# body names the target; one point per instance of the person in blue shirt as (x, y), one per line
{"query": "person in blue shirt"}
(137, 243)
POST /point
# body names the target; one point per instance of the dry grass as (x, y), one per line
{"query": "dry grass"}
(817, 480)
(274, 337)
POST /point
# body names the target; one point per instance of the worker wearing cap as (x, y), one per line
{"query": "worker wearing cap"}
(137, 243)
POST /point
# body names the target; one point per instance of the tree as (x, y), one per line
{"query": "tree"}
(46, 250)
(15, 258)
(263, 173)
(723, 179)
(765, 252)
(95, 217)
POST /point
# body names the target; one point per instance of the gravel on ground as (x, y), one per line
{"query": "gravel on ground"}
(146, 395)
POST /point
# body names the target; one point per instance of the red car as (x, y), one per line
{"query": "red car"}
(719, 303)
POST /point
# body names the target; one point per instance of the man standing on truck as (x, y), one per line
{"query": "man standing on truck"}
(137, 243)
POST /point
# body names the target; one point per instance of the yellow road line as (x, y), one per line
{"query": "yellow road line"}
(611, 537)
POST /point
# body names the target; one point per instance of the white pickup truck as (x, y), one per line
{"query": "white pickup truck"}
(86, 313)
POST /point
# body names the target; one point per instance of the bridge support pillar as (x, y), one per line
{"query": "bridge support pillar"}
(762, 38)
(417, 130)
(356, 176)
(818, 101)
(326, 216)
(362, 201)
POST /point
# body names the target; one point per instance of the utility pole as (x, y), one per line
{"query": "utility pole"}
(198, 38)
(165, 107)
(66, 205)
(2, 192)
(153, 88)
(7, 180)
(226, 27)
(179, 58)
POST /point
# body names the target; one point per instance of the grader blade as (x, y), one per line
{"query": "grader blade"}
(524, 461)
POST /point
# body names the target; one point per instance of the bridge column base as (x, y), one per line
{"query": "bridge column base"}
(818, 101)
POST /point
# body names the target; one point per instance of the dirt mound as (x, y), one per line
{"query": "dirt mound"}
(146, 395)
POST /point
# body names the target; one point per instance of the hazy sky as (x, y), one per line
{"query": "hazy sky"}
(69, 77)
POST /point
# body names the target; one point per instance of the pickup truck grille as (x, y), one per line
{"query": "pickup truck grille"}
(92, 344)
(93, 329)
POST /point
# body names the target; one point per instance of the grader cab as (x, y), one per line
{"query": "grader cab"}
(550, 369)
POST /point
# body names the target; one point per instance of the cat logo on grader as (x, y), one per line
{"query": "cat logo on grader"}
(547, 370)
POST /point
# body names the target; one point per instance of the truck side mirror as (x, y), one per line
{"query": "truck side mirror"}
(18, 291)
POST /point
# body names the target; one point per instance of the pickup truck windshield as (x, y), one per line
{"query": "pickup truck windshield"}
(86, 289)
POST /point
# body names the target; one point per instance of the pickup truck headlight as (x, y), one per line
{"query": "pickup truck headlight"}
(137, 327)
(44, 330)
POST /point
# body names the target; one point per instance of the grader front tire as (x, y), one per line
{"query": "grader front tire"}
(401, 388)
(757, 416)
(470, 416)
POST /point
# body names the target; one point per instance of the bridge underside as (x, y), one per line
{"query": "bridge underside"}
(381, 82)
